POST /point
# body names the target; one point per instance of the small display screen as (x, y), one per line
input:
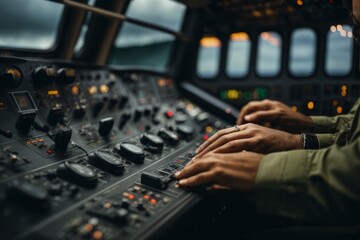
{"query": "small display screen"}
(23, 101)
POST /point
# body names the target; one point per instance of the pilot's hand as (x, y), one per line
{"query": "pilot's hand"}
(277, 114)
(230, 171)
(250, 137)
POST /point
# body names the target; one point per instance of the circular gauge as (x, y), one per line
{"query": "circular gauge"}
(12, 77)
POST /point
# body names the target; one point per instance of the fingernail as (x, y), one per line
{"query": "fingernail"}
(177, 174)
(182, 182)
(247, 117)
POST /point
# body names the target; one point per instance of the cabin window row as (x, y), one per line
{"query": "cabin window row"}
(302, 54)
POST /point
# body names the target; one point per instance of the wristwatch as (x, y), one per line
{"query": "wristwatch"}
(310, 141)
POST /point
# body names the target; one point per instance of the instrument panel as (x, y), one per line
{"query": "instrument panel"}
(90, 152)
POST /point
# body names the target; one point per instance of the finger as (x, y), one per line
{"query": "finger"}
(193, 169)
(217, 187)
(201, 179)
(251, 107)
(261, 116)
(214, 137)
(224, 140)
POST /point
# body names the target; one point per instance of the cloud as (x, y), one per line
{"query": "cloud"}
(165, 13)
(29, 24)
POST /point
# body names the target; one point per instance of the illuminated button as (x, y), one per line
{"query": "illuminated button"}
(310, 105)
(104, 88)
(153, 201)
(97, 235)
(169, 114)
(205, 137)
(92, 90)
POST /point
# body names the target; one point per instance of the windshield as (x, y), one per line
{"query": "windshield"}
(34, 26)
(140, 46)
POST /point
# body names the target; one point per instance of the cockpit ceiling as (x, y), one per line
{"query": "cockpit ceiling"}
(269, 12)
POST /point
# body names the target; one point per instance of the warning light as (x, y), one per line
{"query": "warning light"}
(339, 109)
(97, 235)
(210, 42)
(75, 90)
(240, 36)
(294, 108)
(153, 201)
(209, 129)
(333, 28)
(92, 90)
(169, 114)
(343, 88)
(104, 88)
(311, 105)
(299, 2)
(205, 137)
(131, 196)
(147, 197)
(53, 92)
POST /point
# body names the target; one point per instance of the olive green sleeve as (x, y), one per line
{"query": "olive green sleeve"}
(323, 124)
(311, 185)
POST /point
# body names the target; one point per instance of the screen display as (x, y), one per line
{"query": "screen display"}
(23, 101)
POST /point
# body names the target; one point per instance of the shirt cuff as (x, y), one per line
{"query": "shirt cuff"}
(323, 124)
(326, 140)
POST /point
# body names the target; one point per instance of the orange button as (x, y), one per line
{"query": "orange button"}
(97, 235)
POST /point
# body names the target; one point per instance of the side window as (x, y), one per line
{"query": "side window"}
(339, 48)
(238, 57)
(302, 52)
(269, 54)
(208, 57)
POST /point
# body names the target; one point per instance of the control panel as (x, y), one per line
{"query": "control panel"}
(90, 152)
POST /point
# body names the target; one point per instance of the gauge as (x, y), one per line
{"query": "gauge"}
(12, 77)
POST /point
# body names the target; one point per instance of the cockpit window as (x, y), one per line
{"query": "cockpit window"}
(238, 57)
(302, 52)
(269, 54)
(29, 24)
(84, 28)
(208, 61)
(339, 50)
(140, 46)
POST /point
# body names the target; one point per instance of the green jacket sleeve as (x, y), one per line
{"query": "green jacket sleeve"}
(317, 186)
(327, 128)
(313, 185)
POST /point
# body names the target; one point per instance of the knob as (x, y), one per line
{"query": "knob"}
(105, 126)
(78, 174)
(123, 100)
(61, 139)
(169, 136)
(44, 75)
(152, 142)
(66, 75)
(124, 119)
(147, 110)
(12, 77)
(107, 162)
(185, 130)
(24, 121)
(113, 101)
(97, 106)
(137, 114)
(29, 195)
(79, 111)
(156, 108)
(131, 152)
(56, 115)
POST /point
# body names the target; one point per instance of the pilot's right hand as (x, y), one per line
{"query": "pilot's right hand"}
(275, 114)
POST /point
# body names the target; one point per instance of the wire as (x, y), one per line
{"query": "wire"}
(74, 144)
